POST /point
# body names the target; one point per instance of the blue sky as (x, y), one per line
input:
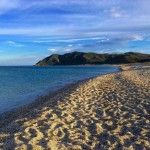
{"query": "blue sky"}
(32, 30)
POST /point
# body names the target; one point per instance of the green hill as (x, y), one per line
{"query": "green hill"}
(81, 58)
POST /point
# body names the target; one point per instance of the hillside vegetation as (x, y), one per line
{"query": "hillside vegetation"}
(81, 58)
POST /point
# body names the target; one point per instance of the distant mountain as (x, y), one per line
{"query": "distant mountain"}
(81, 58)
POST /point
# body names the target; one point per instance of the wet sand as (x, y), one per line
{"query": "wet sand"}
(107, 112)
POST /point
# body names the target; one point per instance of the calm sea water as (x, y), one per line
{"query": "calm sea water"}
(22, 85)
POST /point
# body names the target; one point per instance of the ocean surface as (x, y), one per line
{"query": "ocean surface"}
(23, 85)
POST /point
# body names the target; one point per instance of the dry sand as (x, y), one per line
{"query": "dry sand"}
(107, 112)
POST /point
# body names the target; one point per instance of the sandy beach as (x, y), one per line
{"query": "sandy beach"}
(107, 112)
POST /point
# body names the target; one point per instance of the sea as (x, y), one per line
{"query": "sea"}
(21, 85)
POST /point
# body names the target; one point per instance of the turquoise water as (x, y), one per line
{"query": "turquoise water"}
(22, 85)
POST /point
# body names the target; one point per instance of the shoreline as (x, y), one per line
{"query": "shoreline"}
(104, 112)
(9, 116)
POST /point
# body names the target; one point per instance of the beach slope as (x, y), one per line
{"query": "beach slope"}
(107, 112)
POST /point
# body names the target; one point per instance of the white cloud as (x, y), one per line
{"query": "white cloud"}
(103, 40)
(12, 43)
(42, 41)
(43, 30)
(9, 42)
(116, 12)
(6, 5)
(68, 40)
(138, 38)
(78, 39)
(52, 50)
